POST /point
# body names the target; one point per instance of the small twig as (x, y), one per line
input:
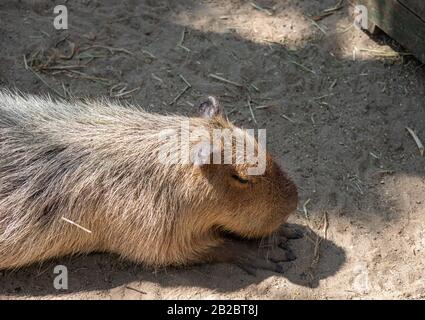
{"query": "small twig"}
(63, 67)
(185, 81)
(255, 88)
(327, 12)
(148, 54)
(184, 48)
(256, 6)
(417, 141)
(42, 80)
(305, 210)
(90, 77)
(316, 252)
(321, 16)
(302, 66)
(324, 96)
(287, 118)
(182, 37)
(188, 86)
(325, 226)
(110, 49)
(179, 95)
(214, 76)
(66, 92)
(134, 289)
(373, 155)
(157, 78)
(76, 224)
(385, 54)
(316, 24)
(338, 6)
(124, 93)
(250, 110)
(25, 63)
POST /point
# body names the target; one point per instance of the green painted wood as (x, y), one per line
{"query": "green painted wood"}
(399, 23)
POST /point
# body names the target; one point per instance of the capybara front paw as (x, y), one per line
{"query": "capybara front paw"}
(290, 232)
(280, 254)
(275, 260)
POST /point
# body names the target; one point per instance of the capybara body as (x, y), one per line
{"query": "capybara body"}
(96, 164)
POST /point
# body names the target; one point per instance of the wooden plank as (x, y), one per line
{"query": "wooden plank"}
(416, 6)
(398, 22)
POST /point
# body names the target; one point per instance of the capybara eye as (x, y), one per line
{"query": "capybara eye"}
(241, 180)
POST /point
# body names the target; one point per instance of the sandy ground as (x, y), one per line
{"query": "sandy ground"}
(335, 117)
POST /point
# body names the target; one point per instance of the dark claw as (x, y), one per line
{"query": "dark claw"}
(248, 269)
(285, 256)
(282, 268)
(290, 255)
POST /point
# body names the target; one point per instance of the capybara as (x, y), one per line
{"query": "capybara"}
(96, 164)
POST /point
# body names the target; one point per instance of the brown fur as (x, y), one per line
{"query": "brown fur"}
(96, 163)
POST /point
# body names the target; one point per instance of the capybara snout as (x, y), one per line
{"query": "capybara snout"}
(77, 177)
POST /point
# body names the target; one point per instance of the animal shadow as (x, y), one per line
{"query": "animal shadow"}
(317, 259)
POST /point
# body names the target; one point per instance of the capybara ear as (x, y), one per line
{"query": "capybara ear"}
(209, 108)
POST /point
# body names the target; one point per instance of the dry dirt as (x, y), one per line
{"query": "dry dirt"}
(335, 115)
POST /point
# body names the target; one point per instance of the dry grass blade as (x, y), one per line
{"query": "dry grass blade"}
(327, 12)
(317, 25)
(336, 7)
(179, 95)
(305, 210)
(324, 96)
(302, 66)
(216, 77)
(149, 54)
(134, 289)
(185, 81)
(188, 86)
(64, 67)
(321, 16)
(122, 93)
(184, 48)
(183, 36)
(66, 92)
(111, 50)
(76, 224)
(86, 76)
(256, 6)
(287, 118)
(41, 79)
(317, 242)
(417, 141)
(157, 78)
(251, 111)
(384, 53)
(255, 87)
(325, 226)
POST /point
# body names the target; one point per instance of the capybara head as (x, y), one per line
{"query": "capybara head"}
(248, 198)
